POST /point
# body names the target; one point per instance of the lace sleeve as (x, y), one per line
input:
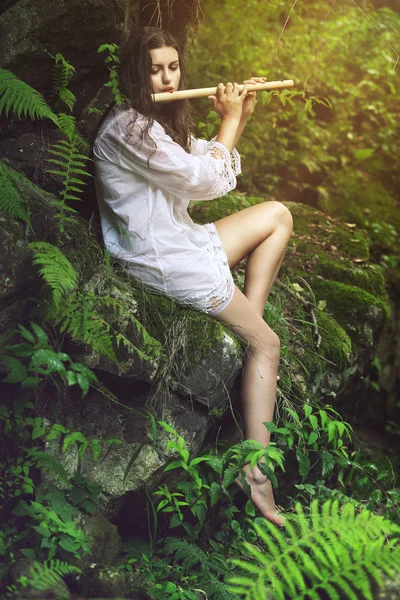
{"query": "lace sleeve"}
(222, 166)
(235, 159)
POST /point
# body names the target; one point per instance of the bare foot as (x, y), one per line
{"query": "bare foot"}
(262, 495)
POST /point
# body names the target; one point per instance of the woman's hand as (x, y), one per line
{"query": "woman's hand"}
(228, 102)
(250, 100)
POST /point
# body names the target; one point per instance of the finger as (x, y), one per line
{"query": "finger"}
(229, 88)
(244, 92)
(220, 91)
(213, 100)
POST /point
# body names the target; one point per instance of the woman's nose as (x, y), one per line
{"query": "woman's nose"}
(167, 77)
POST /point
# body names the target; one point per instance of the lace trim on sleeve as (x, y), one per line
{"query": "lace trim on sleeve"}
(235, 158)
(235, 162)
(224, 176)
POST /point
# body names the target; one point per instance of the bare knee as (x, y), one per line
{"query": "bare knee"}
(267, 343)
(282, 215)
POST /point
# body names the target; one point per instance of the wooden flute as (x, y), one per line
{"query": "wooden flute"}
(205, 92)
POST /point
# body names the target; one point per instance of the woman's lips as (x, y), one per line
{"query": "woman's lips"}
(168, 89)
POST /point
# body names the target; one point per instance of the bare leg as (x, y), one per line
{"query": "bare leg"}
(261, 232)
(258, 389)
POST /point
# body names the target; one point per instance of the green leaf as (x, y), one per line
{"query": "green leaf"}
(83, 383)
(74, 436)
(48, 359)
(167, 427)
(175, 521)
(364, 154)
(37, 432)
(40, 334)
(312, 437)
(307, 409)
(230, 476)
(327, 463)
(26, 334)
(304, 462)
(96, 449)
(200, 512)
(71, 377)
(30, 382)
(176, 464)
(215, 492)
(131, 461)
(17, 370)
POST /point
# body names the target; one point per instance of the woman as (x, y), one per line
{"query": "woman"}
(148, 168)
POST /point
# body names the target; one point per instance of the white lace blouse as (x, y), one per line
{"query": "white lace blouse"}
(143, 194)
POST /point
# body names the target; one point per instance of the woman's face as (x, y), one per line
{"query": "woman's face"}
(165, 72)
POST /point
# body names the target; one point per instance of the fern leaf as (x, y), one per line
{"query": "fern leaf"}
(62, 73)
(55, 269)
(79, 318)
(49, 463)
(20, 98)
(336, 551)
(11, 201)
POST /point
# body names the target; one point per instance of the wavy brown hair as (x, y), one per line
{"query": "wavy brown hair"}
(135, 84)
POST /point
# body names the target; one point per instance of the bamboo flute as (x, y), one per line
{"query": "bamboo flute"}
(211, 91)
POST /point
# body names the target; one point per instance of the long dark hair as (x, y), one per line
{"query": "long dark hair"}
(135, 83)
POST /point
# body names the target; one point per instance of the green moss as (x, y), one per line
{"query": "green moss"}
(352, 241)
(209, 212)
(317, 232)
(358, 311)
(366, 277)
(336, 344)
(187, 334)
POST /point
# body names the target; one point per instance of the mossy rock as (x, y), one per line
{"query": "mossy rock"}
(336, 345)
(186, 334)
(367, 277)
(358, 311)
(209, 212)
(315, 231)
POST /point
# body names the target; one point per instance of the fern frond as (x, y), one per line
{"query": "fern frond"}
(48, 462)
(62, 73)
(55, 269)
(71, 164)
(190, 555)
(43, 577)
(67, 125)
(184, 551)
(80, 319)
(335, 551)
(11, 201)
(152, 347)
(21, 98)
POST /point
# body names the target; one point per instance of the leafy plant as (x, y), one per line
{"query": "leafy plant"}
(204, 487)
(51, 519)
(20, 98)
(42, 361)
(337, 552)
(113, 60)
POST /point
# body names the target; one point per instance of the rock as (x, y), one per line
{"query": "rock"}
(210, 380)
(103, 539)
